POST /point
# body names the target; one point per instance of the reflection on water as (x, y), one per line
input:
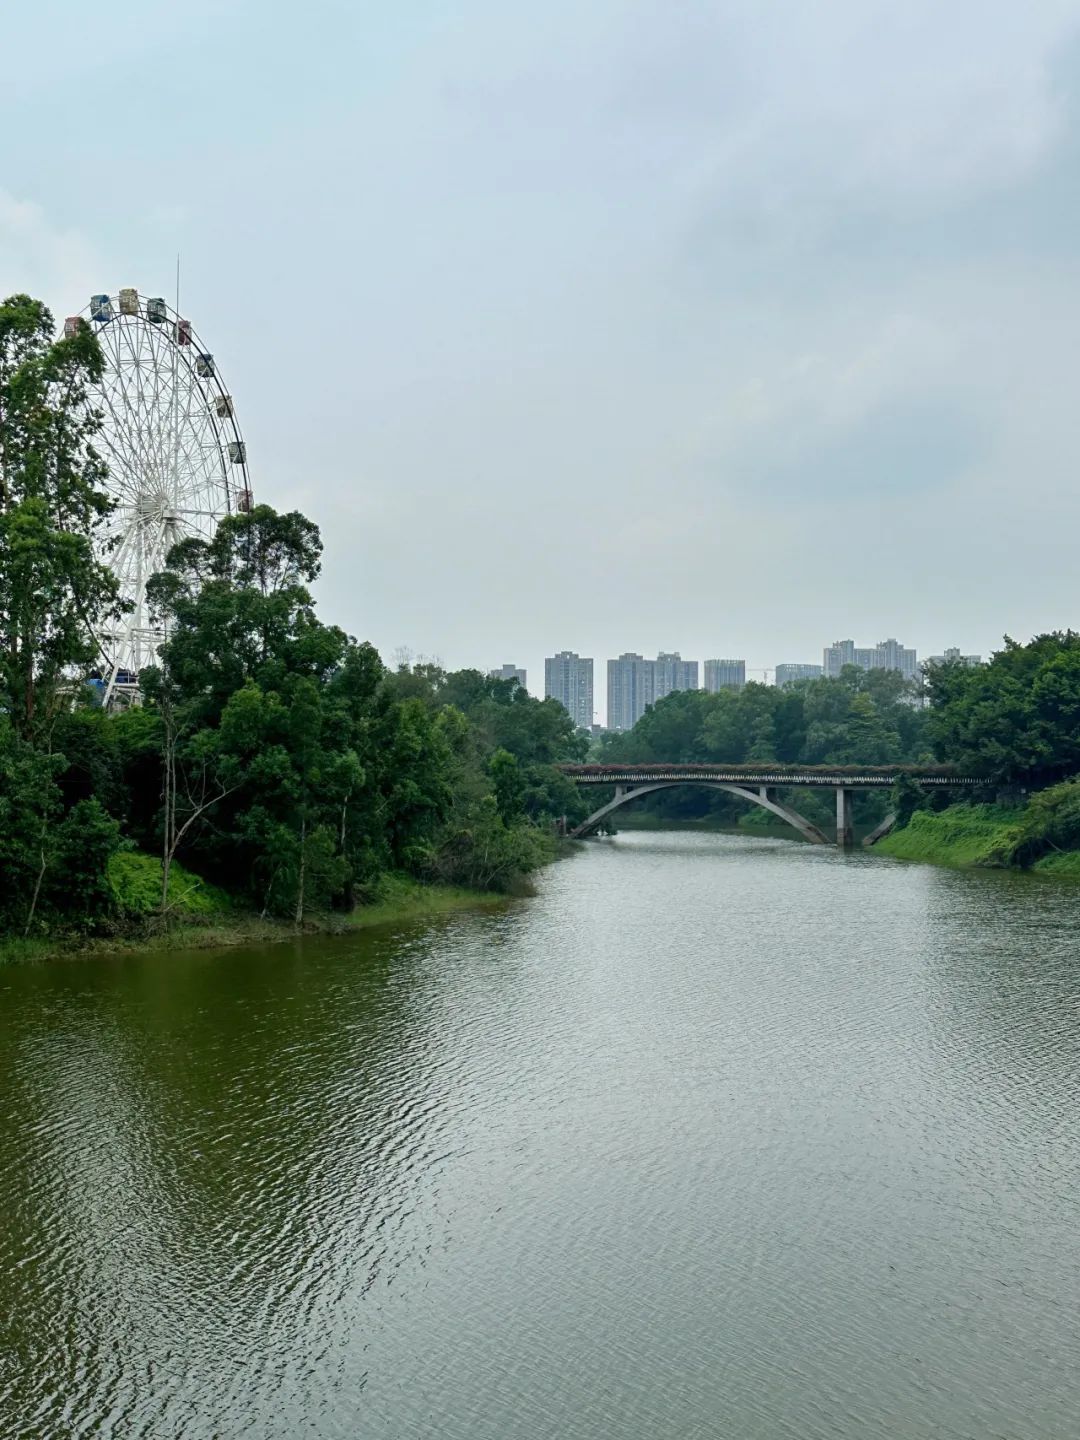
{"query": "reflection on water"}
(716, 1137)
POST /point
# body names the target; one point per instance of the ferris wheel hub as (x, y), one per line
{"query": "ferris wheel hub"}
(151, 507)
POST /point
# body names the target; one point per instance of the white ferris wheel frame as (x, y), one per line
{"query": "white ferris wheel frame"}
(169, 434)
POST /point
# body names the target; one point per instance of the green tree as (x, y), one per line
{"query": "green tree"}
(1015, 719)
(53, 863)
(509, 784)
(54, 591)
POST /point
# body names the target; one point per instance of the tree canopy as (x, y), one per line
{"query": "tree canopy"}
(864, 717)
(1015, 719)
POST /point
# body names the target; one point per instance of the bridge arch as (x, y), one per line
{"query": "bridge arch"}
(625, 793)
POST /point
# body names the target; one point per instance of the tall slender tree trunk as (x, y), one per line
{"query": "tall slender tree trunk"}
(37, 882)
(169, 838)
(300, 881)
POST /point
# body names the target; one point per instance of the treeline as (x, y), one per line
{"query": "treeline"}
(863, 718)
(274, 756)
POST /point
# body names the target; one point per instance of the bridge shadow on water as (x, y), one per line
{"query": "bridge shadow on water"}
(705, 843)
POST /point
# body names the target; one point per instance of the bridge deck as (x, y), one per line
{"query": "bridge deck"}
(863, 778)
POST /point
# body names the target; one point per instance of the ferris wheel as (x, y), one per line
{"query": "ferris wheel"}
(176, 458)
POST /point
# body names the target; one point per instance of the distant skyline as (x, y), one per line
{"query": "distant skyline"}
(535, 669)
(731, 329)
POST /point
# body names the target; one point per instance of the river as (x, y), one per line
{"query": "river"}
(715, 1137)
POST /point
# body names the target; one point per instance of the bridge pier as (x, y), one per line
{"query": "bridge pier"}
(845, 828)
(887, 825)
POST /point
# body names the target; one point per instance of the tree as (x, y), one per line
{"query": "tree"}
(509, 784)
(54, 591)
(29, 805)
(237, 607)
(53, 863)
(1015, 719)
(241, 692)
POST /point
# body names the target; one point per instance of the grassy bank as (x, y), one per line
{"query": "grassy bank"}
(984, 835)
(217, 925)
(1066, 864)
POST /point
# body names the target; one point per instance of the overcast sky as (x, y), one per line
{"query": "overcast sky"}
(732, 328)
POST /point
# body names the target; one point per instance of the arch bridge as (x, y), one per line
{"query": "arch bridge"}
(758, 784)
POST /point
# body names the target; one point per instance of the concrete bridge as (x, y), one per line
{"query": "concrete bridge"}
(757, 784)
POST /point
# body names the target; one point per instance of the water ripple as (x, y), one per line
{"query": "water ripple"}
(713, 1138)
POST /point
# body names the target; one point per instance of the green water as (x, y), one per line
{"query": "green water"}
(717, 1137)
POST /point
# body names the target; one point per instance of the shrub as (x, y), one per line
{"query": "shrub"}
(76, 884)
(135, 882)
(1051, 823)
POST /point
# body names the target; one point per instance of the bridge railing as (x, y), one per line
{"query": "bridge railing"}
(831, 776)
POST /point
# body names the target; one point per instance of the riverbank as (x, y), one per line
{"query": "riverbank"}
(399, 899)
(987, 837)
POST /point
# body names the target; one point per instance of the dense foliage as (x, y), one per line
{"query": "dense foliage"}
(1044, 833)
(53, 591)
(277, 757)
(1016, 719)
(274, 755)
(864, 718)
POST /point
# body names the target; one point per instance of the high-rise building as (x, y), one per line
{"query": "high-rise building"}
(725, 675)
(509, 672)
(954, 657)
(672, 672)
(836, 656)
(569, 679)
(891, 655)
(635, 683)
(885, 655)
(788, 674)
(630, 688)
